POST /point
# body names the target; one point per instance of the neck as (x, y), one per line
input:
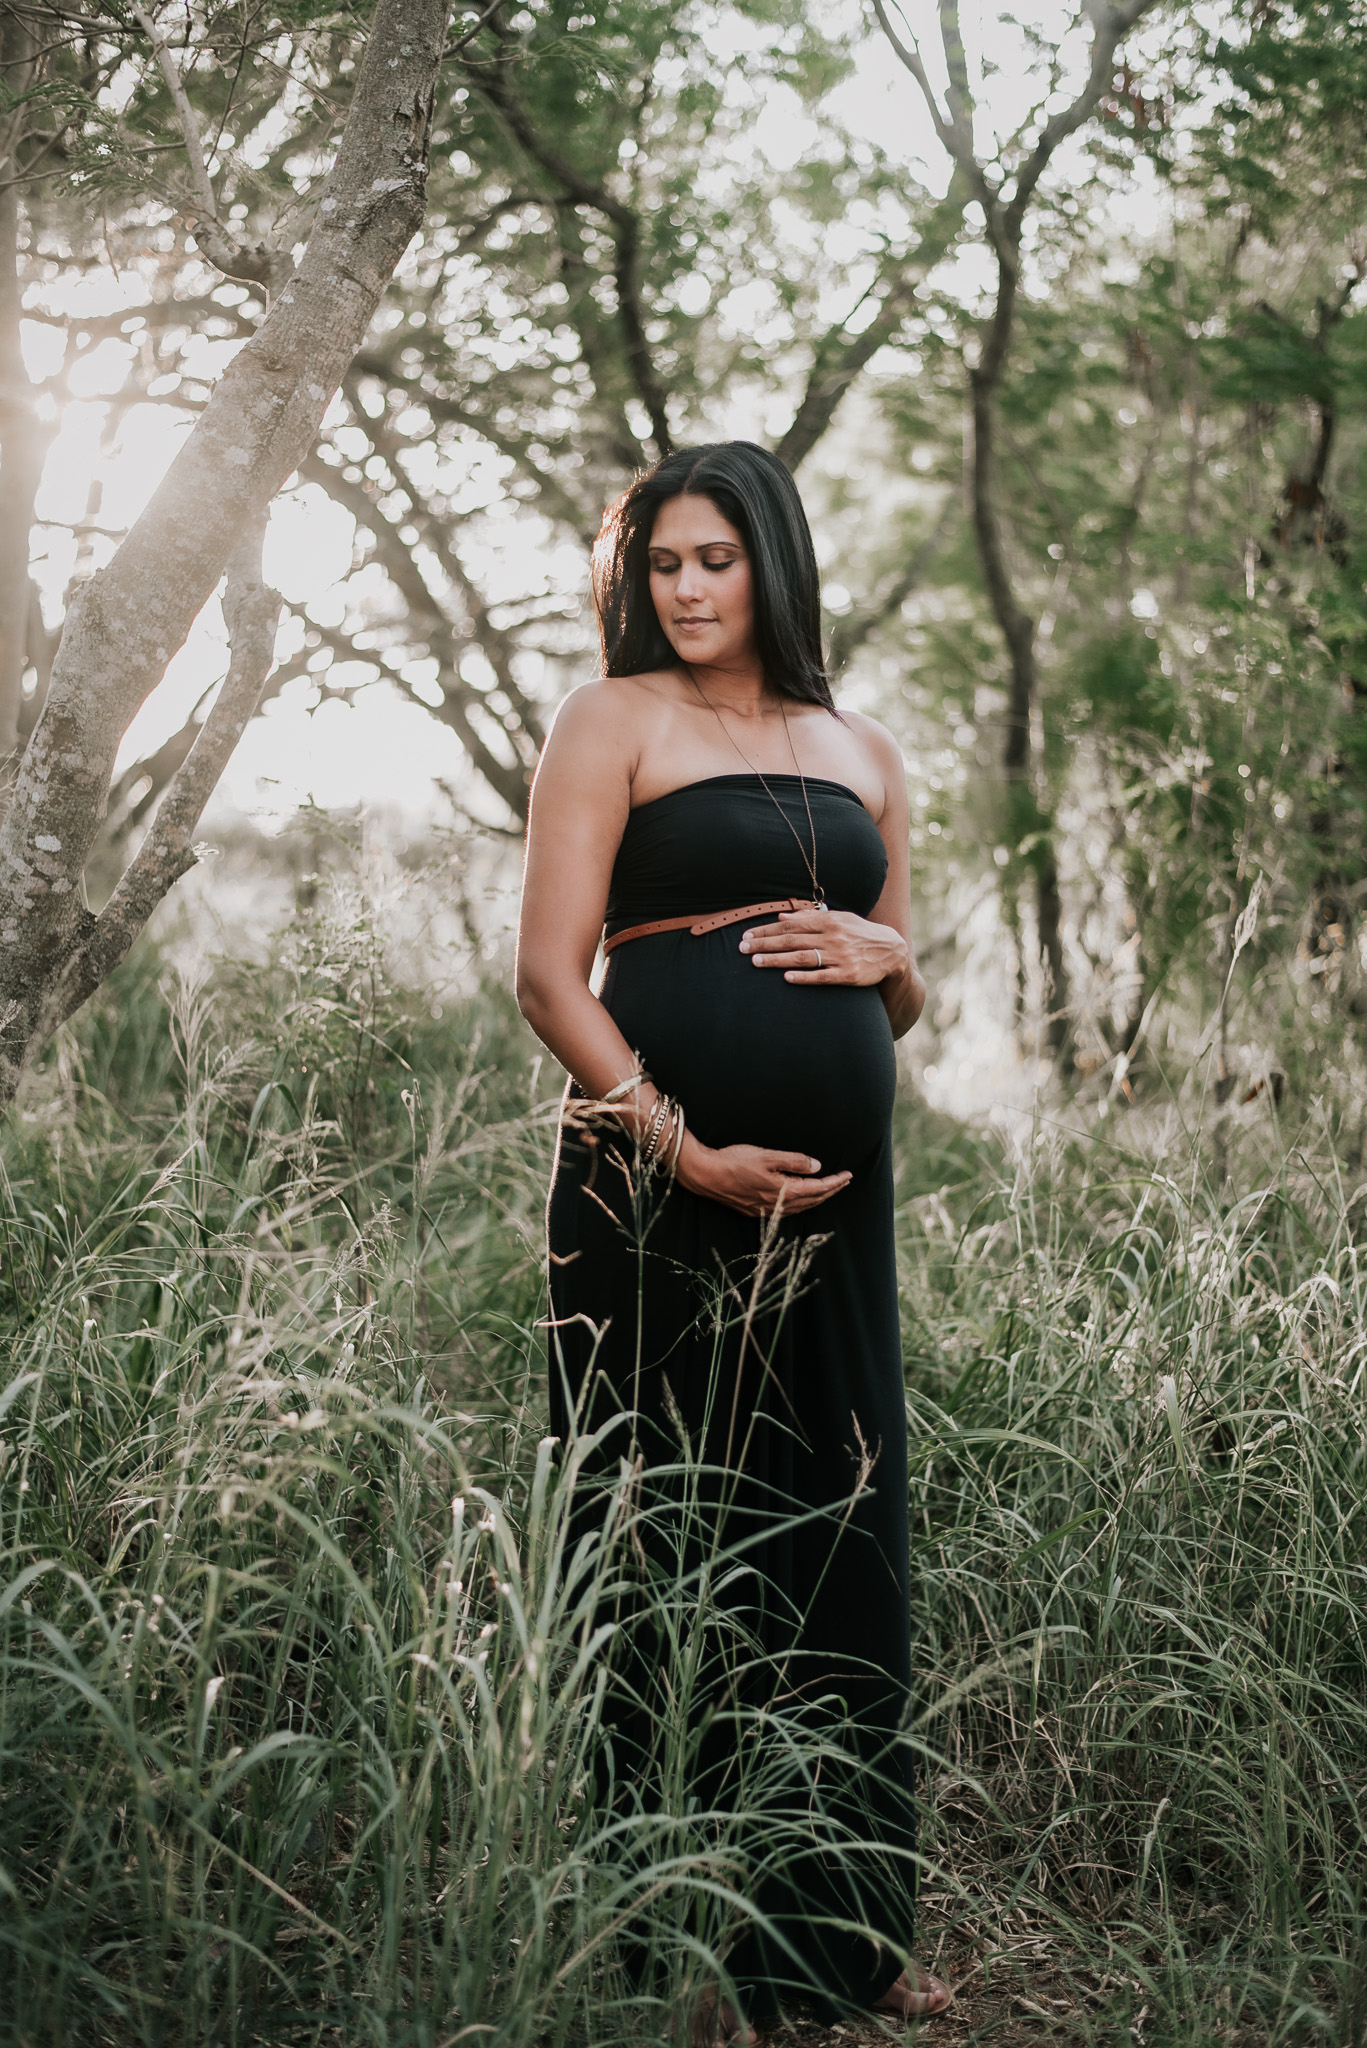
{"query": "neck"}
(741, 688)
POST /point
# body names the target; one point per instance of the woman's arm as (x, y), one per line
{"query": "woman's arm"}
(837, 948)
(902, 989)
(580, 803)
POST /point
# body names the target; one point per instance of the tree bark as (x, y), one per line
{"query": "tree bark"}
(23, 439)
(42, 651)
(252, 610)
(1030, 822)
(259, 424)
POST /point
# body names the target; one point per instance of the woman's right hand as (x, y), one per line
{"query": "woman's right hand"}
(755, 1180)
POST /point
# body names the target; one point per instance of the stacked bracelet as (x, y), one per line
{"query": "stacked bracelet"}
(661, 1138)
(678, 1140)
(659, 1117)
(664, 1136)
(625, 1088)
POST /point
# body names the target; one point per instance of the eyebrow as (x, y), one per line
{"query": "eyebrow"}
(659, 547)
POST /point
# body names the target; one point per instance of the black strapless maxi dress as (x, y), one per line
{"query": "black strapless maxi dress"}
(795, 1392)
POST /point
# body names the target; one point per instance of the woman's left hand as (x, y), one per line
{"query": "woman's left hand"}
(830, 946)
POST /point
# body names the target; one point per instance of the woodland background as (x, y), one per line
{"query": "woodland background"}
(294, 1698)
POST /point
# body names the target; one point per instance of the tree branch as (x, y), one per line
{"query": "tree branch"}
(493, 82)
(261, 265)
(461, 42)
(498, 645)
(582, 520)
(959, 97)
(1109, 25)
(954, 126)
(598, 349)
(156, 314)
(461, 699)
(1005, 228)
(840, 356)
(850, 633)
(252, 610)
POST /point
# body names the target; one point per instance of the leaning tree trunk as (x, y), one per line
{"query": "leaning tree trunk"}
(23, 445)
(23, 437)
(130, 619)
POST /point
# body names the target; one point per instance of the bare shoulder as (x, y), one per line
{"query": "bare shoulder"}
(881, 745)
(590, 708)
(883, 754)
(611, 708)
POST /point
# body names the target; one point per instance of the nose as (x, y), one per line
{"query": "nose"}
(690, 589)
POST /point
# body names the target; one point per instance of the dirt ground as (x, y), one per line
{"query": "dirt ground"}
(1008, 1996)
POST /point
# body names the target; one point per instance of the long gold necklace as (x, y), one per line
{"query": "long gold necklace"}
(818, 893)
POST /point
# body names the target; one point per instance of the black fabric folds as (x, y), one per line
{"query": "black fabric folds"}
(757, 1377)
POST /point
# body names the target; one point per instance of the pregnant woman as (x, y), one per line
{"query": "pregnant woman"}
(740, 848)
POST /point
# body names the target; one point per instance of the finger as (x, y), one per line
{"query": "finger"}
(790, 1162)
(759, 937)
(825, 973)
(809, 957)
(803, 1191)
(809, 1195)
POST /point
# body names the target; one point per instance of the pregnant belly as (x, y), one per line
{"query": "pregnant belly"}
(753, 1058)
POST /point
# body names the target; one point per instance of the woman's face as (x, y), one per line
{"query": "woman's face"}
(701, 584)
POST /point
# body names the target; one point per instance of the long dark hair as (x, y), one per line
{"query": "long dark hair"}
(753, 490)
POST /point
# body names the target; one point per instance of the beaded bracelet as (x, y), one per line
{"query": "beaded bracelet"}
(665, 1136)
(655, 1129)
(678, 1140)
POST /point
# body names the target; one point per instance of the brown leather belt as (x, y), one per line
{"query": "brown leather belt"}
(714, 923)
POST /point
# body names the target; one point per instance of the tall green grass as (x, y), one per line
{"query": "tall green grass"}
(300, 1651)
(1140, 1496)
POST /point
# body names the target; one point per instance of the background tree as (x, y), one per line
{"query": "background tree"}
(608, 262)
(1223, 588)
(570, 316)
(1004, 188)
(260, 421)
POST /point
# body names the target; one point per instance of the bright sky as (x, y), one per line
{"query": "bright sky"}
(379, 750)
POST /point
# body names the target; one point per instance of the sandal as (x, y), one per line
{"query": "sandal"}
(920, 2000)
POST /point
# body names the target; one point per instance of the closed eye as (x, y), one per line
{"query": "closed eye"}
(669, 565)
